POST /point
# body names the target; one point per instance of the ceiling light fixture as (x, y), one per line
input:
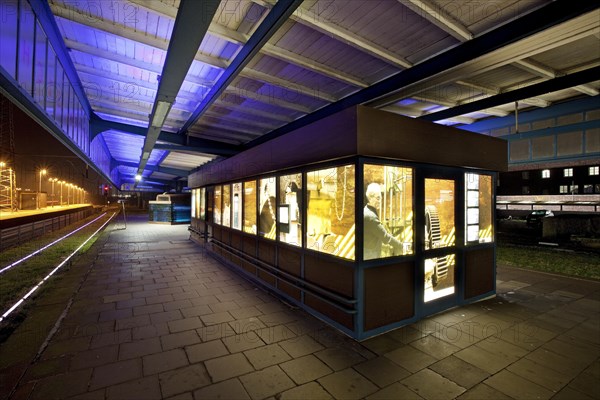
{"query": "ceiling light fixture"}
(160, 114)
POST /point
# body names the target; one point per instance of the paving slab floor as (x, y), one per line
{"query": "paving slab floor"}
(152, 316)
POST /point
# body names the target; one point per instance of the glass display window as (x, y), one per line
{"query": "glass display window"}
(330, 211)
(217, 205)
(439, 277)
(439, 213)
(289, 209)
(226, 220)
(267, 217)
(250, 207)
(388, 211)
(236, 206)
(194, 196)
(478, 208)
(201, 201)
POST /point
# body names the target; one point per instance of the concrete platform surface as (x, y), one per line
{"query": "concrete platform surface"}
(152, 316)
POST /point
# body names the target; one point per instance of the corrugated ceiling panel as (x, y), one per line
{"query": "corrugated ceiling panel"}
(185, 161)
(479, 17)
(572, 55)
(503, 77)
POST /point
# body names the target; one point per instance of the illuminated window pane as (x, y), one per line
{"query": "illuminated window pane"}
(267, 218)
(439, 277)
(388, 212)
(226, 205)
(563, 189)
(250, 207)
(473, 198)
(473, 215)
(439, 213)
(194, 203)
(202, 204)
(217, 206)
(568, 172)
(290, 209)
(546, 173)
(478, 213)
(236, 208)
(473, 233)
(330, 211)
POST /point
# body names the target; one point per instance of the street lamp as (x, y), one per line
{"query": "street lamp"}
(42, 172)
(69, 194)
(53, 197)
(61, 186)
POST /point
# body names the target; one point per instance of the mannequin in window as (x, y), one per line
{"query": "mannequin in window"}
(375, 233)
(267, 213)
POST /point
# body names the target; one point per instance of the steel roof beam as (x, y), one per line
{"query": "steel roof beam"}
(276, 17)
(439, 17)
(156, 168)
(308, 18)
(191, 25)
(99, 125)
(552, 85)
(542, 70)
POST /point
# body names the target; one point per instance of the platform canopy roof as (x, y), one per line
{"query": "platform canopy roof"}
(174, 84)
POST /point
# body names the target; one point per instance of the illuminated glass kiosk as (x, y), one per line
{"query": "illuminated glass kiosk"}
(366, 219)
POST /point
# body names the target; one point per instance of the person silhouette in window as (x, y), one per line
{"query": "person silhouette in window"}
(375, 234)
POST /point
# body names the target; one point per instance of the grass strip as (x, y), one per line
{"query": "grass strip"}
(17, 281)
(564, 262)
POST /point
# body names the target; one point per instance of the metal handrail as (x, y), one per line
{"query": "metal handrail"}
(294, 281)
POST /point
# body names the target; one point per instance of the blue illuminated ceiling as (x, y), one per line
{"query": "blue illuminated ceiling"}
(324, 56)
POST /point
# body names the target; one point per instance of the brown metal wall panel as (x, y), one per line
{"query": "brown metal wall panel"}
(389, 294)
(330, 311)
(329, 274)
(479, 272)
(384, 134)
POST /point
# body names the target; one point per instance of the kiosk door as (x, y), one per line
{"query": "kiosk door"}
(439, 244)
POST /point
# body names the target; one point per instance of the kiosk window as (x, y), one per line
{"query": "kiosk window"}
(478, 208)
(217, 207)
(439, 213)
(194, 196)
(201, 200)
(236, 206)
(330, 211)
(267, 218)
(290, 209)
(388, 211)
(226, 205)
(250, 207)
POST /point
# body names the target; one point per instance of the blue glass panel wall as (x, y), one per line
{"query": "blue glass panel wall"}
(26, 48)
(50, 82)
(9, 12)
(39, 68)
